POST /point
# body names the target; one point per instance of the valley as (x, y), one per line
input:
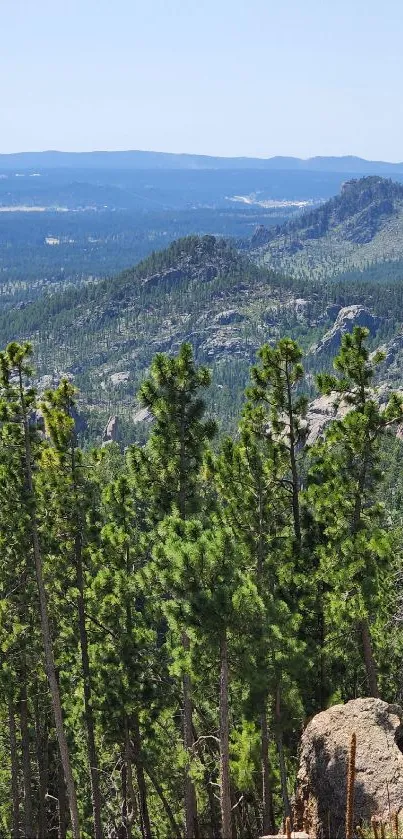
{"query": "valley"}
(209, 383)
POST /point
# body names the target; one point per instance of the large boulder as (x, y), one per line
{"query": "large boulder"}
(320, 802)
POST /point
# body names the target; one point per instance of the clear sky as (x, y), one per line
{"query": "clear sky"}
(226, 77)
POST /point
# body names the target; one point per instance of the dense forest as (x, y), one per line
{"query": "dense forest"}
(173, 614)
(50, 251)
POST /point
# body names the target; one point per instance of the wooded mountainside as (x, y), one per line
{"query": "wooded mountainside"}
(226, 300)
(171, 617)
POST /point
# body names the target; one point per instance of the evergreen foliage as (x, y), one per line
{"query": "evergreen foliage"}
(170, 616)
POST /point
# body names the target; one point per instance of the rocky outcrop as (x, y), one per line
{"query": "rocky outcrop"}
(324, 409)
(223, 344)
(142, 415)
(120, 378)
(321, 412)
(110, 434)
(320, 802)
(347, 319)
(330, 313)
(229, 316)
(392, 351)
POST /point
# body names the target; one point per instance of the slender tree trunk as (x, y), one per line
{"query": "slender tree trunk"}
(237, 814)
(363, 627)
(61, 794)
(281, 759)
(225, 788)
(294, 468)
(15, 797)
(126, 820)
(129, 774)
(215, 821)
(145, 819)
(212, 801)
(26, 758)
(43, 771)
(213, 808)
(165, 803)
(370, 665)
(88, 712)
(191, 824)
(47, 638)
(267, 797)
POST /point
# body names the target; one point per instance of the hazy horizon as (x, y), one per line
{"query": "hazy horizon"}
(226, 79)
(194, 154)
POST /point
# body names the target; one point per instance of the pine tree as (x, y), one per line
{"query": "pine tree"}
(18, 405)
(251, 477)
(68, 491)
(213, 596)
(128, 648)
(275, 380)
(344, 475)
(175, 452)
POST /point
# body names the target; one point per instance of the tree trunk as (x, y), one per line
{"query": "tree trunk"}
(45, 626)
(126, 820)
(165, 803)
(281, 759)
(267, 797)
(61, 794)
(129, 775)
(15, 797)
(43, 770)
(225, 788)
(191, 825)
(88, 712)
(26, 758)
(363, 628)
(129, 784)
(145, 819)
(370, 665)
(294, 469)
(215, 821)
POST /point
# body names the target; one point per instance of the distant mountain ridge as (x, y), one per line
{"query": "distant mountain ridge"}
(137, 159)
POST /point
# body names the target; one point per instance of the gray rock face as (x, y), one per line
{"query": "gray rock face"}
(322, 411)
(392, 350)
(347, 319)
(110, 434)
(320, 802)
(142, 415)
(229, 316)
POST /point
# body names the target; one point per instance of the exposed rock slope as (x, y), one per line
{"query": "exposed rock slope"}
(347, 318)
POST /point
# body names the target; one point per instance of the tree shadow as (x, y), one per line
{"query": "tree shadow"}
(328, 784)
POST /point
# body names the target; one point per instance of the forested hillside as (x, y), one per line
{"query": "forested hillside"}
(198, 289)
(172, 617)
(361, 226)
(201, 289)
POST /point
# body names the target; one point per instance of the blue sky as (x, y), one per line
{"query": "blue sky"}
(227, 77)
